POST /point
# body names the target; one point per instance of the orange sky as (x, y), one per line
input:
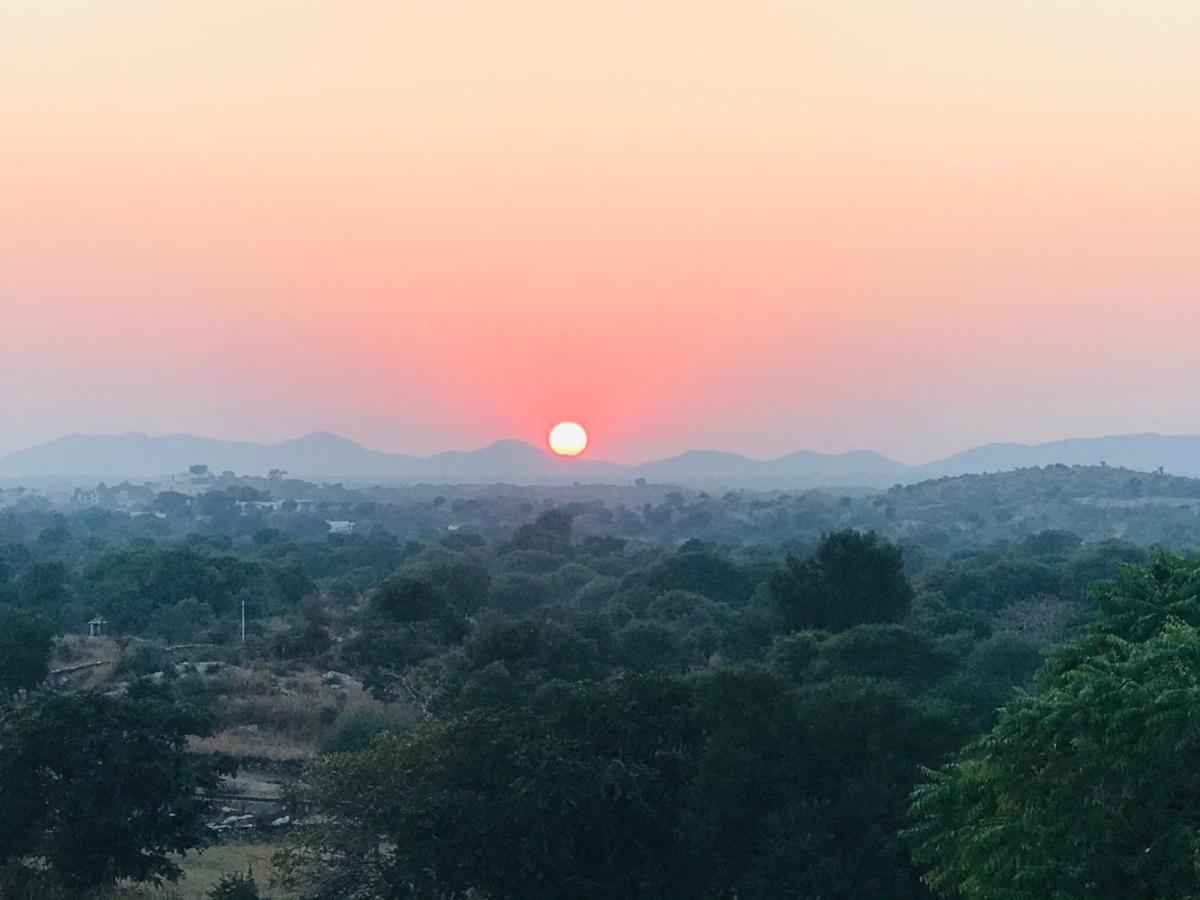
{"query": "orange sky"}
(760, 226)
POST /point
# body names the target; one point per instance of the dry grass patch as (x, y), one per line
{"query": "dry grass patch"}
(79, 650)
(241, 741)
(280, 716)
(298, 707)
(203, 870)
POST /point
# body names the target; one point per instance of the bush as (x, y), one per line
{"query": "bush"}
(28, 883)
(98, 789)
(354, 729)
(300, 718)
(303, 641)
(144, 659)
(236, 887)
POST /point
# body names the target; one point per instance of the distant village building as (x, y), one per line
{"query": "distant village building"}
(340, 527)
(261, 505)
(97, 627)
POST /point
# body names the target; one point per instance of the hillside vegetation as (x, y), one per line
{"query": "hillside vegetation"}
(588, 692)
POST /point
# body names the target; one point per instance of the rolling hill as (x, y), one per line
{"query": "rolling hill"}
(323, 455)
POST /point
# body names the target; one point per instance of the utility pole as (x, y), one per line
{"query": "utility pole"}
(243, 620)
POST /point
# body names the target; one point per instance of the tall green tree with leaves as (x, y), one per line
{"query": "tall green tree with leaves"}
(584, 803)
(852, 578)
(1087, 788)
(25, 643)
(719, 785)
(95, 789)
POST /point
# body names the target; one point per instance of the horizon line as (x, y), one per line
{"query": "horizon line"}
(586, 458)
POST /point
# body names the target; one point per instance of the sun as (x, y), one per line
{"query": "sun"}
(568, 439)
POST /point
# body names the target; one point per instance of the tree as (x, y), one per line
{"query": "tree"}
(129, 585)
(719, 785)
(1141, 600)
(464, 583)
(173, 504)
(649, 646)
(216, 504)
(182, 622)
(853, 578)
(45, 585)
(236, 886)
(585, 802)
(886, 652)
(102, 788)
(404, 598)
(550, 532)
(867, 742)
(991, 672)
(532, 649)
(1052, 542)
(702, 571)
(517, 593)
(1082, 789)
(753, 809)
(25, 643)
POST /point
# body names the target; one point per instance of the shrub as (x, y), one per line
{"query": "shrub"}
(354, 729)
(236, 887)
(144, 659)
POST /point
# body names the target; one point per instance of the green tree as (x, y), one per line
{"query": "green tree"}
(518, 593)
(236, 887)
(25, 643)
(868, 741)
(184, 621)
(1083, 790)
(699, 570)
(884, 651)
(532, 651)
(44, 586)
(404, 598)
(719, 785)
(97, 788)
(464, 583)
(584, 803)
(549, 532)
(853, 578)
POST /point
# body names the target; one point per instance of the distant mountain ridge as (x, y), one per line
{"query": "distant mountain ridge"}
(1177, 454)
(330, 456)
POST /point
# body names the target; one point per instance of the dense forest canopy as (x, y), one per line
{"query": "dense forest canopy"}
(598, 692)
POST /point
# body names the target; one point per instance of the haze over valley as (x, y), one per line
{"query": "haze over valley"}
(325, 455)
(685, 450)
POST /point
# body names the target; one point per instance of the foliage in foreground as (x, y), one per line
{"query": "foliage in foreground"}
(1089, 787)
(95, 789)
(725, 784)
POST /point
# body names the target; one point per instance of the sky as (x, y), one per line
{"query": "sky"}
(761, 226)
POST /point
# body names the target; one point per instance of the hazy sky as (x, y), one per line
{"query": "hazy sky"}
(903, 224)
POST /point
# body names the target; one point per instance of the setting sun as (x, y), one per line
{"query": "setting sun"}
(568, 439)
